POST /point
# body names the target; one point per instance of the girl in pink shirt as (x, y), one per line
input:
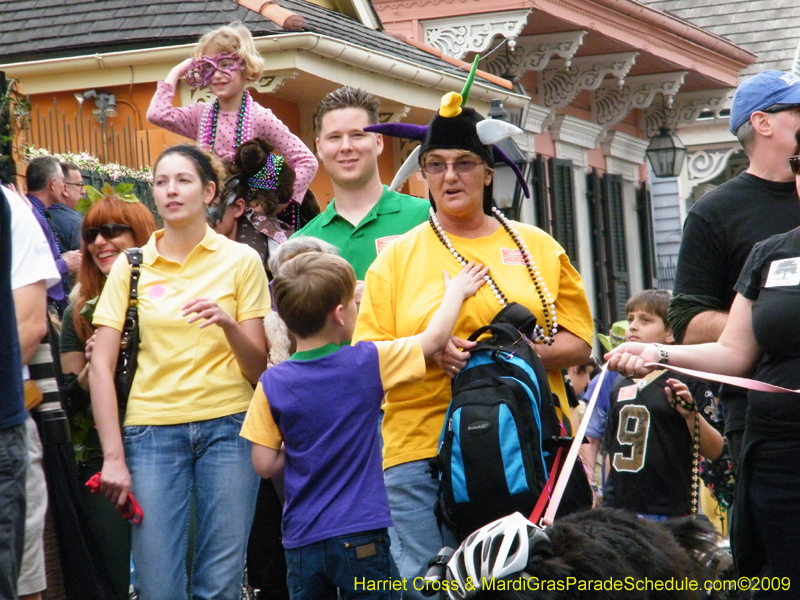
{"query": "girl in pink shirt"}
(225, 60)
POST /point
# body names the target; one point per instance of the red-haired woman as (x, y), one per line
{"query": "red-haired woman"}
(111, 226)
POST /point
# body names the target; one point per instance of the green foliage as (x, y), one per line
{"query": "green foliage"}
(123, 190)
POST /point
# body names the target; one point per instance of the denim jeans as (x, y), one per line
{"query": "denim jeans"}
(350, 563)
(171, 465)
(416, 536)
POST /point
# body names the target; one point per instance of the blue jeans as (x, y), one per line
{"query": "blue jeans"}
(171, 465)
(416, 536)
(350, 563)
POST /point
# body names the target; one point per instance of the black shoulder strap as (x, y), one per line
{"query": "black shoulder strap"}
(134, 256)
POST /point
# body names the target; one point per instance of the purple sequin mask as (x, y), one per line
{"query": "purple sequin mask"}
(201, 71)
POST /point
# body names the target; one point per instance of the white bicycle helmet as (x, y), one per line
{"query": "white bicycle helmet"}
(496, 550)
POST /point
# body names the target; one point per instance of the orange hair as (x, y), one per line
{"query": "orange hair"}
(109, 209)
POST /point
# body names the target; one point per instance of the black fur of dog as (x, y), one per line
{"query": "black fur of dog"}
(612, 545)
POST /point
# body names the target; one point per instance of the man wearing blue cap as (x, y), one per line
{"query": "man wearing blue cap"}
(723, 225)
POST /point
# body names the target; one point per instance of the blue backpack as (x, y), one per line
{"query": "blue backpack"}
(501, 433)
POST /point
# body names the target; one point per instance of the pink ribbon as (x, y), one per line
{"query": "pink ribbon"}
(561, 484)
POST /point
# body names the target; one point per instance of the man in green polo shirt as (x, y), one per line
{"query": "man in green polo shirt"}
(364, 215)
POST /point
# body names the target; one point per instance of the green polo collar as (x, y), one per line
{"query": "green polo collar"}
(389, 202)
(316, 353)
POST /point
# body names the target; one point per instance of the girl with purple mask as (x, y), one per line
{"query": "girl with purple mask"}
(225, 61)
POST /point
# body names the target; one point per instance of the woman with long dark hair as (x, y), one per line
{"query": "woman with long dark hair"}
(202, 299)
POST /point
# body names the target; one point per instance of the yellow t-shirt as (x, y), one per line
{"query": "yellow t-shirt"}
(404, 287)
(185, 373)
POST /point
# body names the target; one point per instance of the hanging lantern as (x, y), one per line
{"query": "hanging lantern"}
(666, 154)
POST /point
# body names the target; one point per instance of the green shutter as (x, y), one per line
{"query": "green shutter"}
(644, 212)
(616, 244)
(562, 194)
(539, 191)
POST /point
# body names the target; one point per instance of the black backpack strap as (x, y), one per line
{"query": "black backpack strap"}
(134, 256)
(502, 334)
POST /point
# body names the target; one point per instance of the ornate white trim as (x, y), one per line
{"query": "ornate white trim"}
(272, 82)
(560, 83)
(456, 36)
(535, 118)
(686, 107)
(188, 95)
(612, 103)
(572, 152)
(624, 147)
(394, 117)
(618, 166)
(705, 165)
(575, 131)
(533, 53)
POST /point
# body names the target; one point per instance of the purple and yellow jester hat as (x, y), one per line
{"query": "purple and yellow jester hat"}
(454, 127)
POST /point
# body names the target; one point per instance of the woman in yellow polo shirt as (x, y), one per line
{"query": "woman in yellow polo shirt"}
(403, 289)
(202, 299)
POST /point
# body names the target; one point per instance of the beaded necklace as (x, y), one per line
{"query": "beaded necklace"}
(47, 220)
(208, 124)
(548, 304)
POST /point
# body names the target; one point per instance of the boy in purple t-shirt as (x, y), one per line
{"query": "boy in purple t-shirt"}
(316, 415)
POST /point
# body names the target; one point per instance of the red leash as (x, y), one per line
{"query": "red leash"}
(131, 511)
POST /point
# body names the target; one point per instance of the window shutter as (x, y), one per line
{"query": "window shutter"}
(616, 244)
(539, 190)
(644, 212)
(562, 192)
(600, 262)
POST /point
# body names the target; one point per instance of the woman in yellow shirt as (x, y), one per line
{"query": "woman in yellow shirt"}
(403, 289)
(202, 299)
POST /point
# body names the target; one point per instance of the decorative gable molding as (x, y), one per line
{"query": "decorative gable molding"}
(573, 137)
(612, 103)
(561, 82)
(705, 165)
(535, 119)
(457, 36)
(625, 147)
(533, 53)
(624, 153)
(685, 108)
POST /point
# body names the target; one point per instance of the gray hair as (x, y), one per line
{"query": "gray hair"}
(40, 171)
(296, 246)
(746, 135)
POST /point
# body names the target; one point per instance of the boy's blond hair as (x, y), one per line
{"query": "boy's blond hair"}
(655, 302)
(233, 39)
(309, 287)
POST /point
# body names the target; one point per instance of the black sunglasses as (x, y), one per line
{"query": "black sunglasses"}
(794, 163)
(109, 231)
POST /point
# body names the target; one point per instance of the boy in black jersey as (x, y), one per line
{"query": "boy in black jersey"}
(648, 435)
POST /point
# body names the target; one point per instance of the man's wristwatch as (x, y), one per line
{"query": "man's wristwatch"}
(663, 354)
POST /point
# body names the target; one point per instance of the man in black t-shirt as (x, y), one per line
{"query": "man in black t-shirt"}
(723, 226)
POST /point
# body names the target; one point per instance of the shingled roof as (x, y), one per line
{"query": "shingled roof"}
(769, 29)
(32, 30)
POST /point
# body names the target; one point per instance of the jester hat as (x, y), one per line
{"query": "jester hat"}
(454, 127)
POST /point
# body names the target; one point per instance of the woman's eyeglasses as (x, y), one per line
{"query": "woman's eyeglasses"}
(794, 163)
(109, 231)
(437, 167)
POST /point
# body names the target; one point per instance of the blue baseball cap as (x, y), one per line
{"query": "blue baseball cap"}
(762, 91)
